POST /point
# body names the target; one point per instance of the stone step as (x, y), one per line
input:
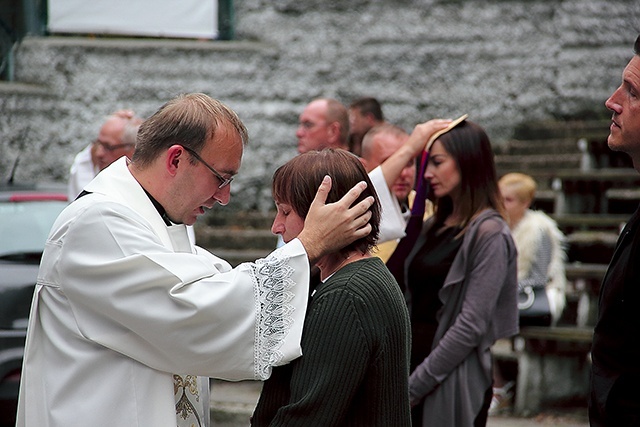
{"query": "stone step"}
(580, 270)
(623, 199)
(630, 194)
(591, 247)
(232, 403)
(232, 217)
(237, 237)
(237, 257)
(542, 175)
(570, 223)
(520, 163)
(539, 146)
(554, 129)
(612, 177)
(236, 244)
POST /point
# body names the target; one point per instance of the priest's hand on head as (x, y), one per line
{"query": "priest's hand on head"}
(330, 227)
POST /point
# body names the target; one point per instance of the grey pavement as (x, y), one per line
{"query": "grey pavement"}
(233, 402)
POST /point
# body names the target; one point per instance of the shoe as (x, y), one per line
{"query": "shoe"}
(502, 399)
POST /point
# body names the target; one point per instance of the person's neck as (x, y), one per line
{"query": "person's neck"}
(148, 180)
(151, 188)
(514, 221)
(453, 220)
(331, 263)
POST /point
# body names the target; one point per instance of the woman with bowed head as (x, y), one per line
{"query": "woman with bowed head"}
(355, 341)
(461, 283)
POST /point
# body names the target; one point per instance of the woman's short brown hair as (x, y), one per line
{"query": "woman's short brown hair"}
(297, 181)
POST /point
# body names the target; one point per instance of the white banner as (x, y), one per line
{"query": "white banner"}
(154, 18)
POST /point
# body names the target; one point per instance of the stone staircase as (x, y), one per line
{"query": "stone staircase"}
(573, 155)
(540, 149)
(576, 173)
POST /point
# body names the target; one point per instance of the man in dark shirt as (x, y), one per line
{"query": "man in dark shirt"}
(615, 373)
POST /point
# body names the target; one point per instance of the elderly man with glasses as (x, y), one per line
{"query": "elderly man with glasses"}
(117, 138)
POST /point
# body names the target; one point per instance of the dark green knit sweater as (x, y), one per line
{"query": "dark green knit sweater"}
(354, 368)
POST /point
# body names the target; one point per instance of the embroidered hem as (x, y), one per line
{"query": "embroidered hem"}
(272, 287)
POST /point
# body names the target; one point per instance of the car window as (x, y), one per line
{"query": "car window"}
(24, 226)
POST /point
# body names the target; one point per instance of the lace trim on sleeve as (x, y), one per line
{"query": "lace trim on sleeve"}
(272, 279)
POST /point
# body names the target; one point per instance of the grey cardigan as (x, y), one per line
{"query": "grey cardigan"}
(479, 297)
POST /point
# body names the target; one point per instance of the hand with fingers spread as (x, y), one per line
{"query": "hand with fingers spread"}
(329, 227)
(423, 131)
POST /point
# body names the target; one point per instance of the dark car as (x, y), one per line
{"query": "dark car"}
(26, 217)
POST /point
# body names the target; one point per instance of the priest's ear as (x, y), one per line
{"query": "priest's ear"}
(174, 156)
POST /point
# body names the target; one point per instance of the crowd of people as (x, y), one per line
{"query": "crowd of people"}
(127, 332)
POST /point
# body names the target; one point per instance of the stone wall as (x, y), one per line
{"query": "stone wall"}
(504, 62)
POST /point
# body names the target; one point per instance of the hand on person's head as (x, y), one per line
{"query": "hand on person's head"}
(330, 227)
(423, 131)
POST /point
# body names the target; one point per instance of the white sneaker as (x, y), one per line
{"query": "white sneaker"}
(502, 399)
